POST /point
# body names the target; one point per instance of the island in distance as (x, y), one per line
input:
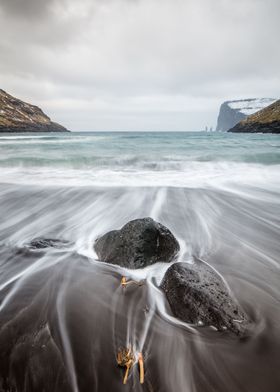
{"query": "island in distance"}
(19, 116)
(266, 120)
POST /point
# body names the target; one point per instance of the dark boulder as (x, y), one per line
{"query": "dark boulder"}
(137, 244)
(198, 295)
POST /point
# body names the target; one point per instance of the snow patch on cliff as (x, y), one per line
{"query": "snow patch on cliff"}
(250, 106)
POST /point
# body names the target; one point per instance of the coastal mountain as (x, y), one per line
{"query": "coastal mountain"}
(19, 116)
(266, 120)
(231, 112)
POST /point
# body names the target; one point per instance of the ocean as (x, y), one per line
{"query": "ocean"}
(63, 314)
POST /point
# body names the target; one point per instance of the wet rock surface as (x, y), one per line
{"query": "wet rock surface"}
(137, 244)
(197, 294)
(44, 243)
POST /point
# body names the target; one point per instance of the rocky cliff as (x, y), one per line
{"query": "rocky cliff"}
(18, 116)
(266, 120)
(231, 112)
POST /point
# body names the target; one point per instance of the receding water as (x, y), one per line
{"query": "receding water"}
(63, 314)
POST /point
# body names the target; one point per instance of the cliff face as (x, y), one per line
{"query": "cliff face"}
(231, 112)
(266, 120)
(18, 116)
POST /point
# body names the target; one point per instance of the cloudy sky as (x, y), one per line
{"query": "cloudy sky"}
(138, 64)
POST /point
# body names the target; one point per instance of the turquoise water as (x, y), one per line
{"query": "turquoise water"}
(98, 149)
(134, 158)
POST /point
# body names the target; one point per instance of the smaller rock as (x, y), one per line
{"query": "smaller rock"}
(137, 244)
(198, 295)
(43, 243)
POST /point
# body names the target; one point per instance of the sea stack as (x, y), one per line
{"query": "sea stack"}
(19, 116)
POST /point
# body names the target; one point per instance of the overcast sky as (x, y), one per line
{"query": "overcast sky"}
(138, 64)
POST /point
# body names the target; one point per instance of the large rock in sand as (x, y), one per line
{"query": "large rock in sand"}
(197, 294)
(137, 244)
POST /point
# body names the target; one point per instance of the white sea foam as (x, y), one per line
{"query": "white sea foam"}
(191, 174)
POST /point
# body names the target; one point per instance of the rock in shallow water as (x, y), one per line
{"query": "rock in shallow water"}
(137, 244)
(197, 294)
(43, 243)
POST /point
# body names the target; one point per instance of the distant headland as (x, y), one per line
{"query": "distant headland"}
(266, 120)
(19, 116)
(231, 112)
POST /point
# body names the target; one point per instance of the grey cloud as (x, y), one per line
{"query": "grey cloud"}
(26, 8)
(96, 63)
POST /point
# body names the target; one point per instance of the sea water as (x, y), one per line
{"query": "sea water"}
(219, 195)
